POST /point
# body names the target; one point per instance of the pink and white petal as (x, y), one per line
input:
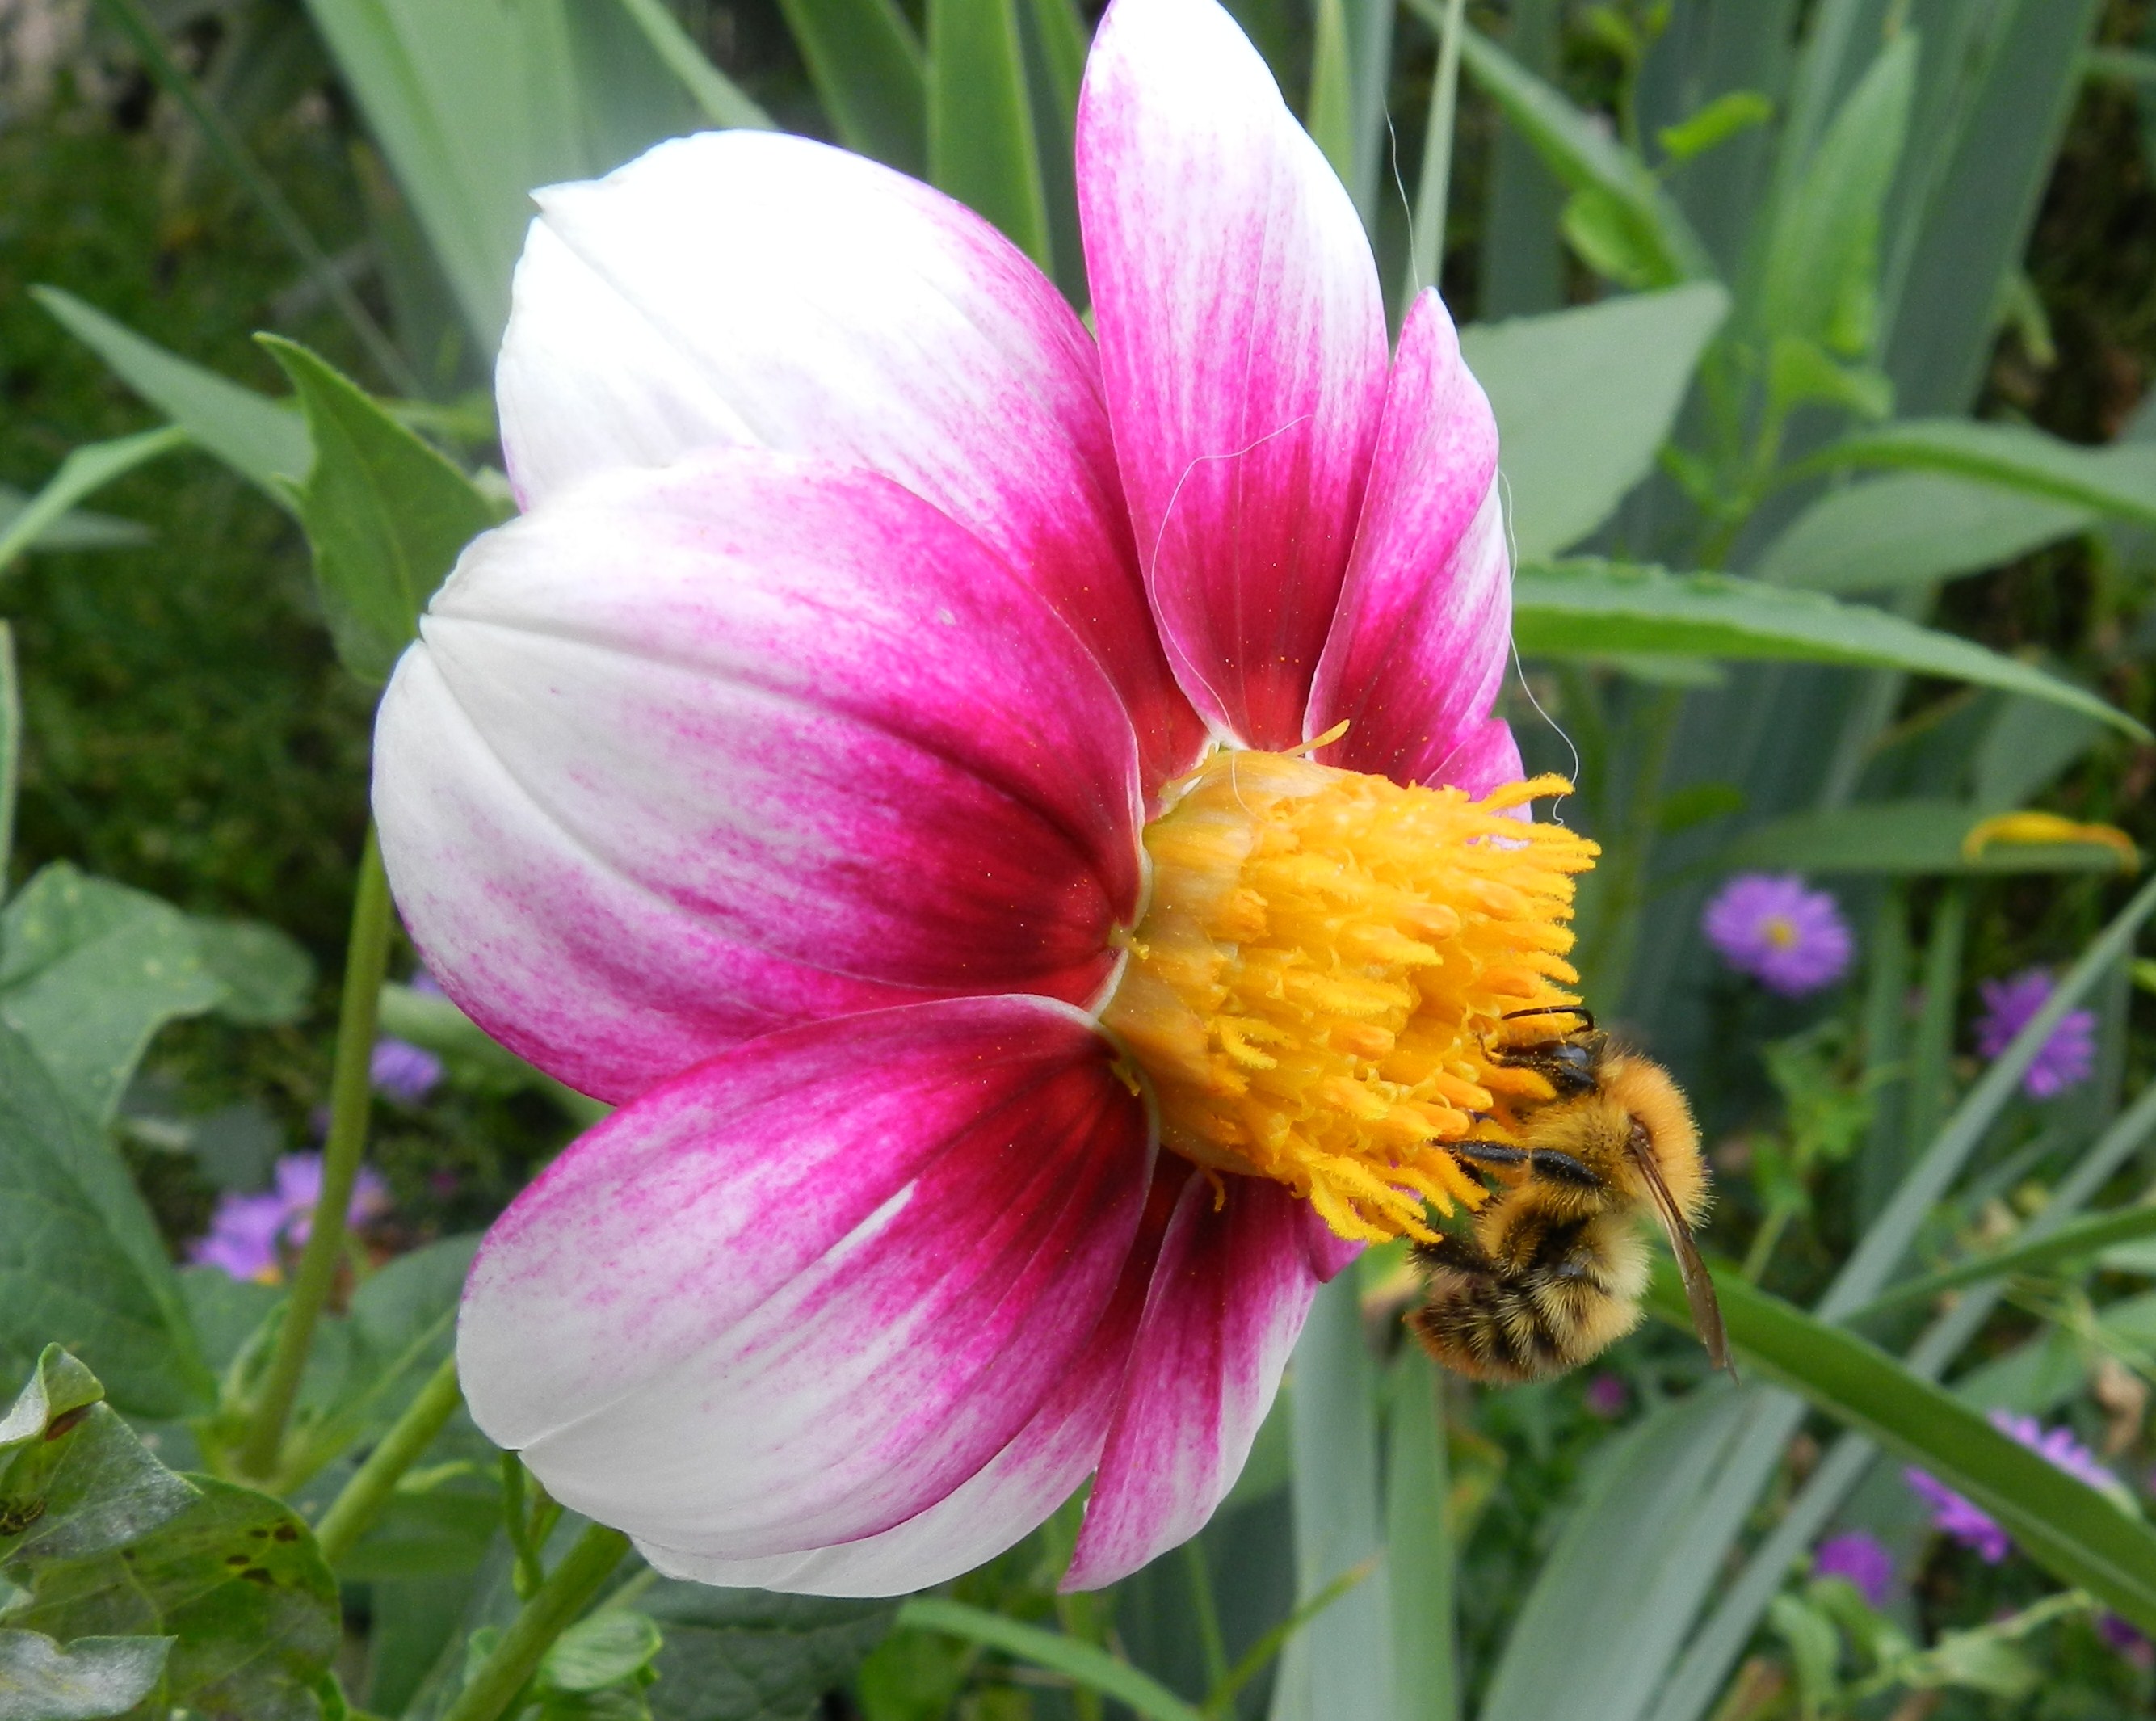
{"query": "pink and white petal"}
(807, 1290)
(1002, 1503)
(1234, 1285)
(749, 288)
(1421, 642)
(1243, 346)
(689, 755)
(1487, 757)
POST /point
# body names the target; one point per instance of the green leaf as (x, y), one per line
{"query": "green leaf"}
(385, 514)
(2077, 1240)
(1800, 371)
(749, 1655)
(80, 1258)
(1610, 237)
(234, 1578)
(10, 751)
(89, 970)
(866, 64)
(42, 522)
(2078, 1534)
(1822, 260)
(1589, 607)
(721, 100)
(1331, 116)
(1084, 1665)
(1338, 1666)
(84, 1681)
(1911, 530)
(2119, 482)
(81, 529)
(267, 975)
(1418, 1547)
(1584, 1648)
(981, 145)
(1583, 399)
(1901, 838)
(74, 1479)
(249, 432)
(1584, 156)
(602, 1649)
(1730, 113)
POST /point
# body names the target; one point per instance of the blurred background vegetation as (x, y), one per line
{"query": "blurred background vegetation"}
(188, 730)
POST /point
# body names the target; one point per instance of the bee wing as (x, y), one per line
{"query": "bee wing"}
(1698, 1283)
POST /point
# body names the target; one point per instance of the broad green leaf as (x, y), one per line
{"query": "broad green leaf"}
(1337, 1667)
(253, 434)
(867, 66)
(81, 1259)
(11, 750)
(2028, 745)
(473, 104)
(1584, 156)
(981, 145)
(74, 1479)
(385, 514)
(89, 970)
(1574, 1653)
(1583, 399)
(234, 1578)
(2078, 1534)
(83, 1681)
(44, 521)
(2118, 481)
(749, 1655)
(1900, 837)
(1912, 529)
(722, 100)
(1418, 1547)
(1589, 608)
(1082, 1663)
(1818, 281)
(267, 975)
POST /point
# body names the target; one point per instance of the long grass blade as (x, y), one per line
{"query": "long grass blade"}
(84, 472)
(1082, 1663)
(720, 100)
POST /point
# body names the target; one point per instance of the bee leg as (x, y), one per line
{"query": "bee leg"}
(1487, 1153)
(1563, 1168)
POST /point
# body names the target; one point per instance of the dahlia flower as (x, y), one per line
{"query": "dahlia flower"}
(1014, 821)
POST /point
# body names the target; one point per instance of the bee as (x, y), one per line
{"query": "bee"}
(1555, 1268)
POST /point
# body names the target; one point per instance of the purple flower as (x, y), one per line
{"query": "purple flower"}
(1857, 1557)
(1607, 1397)
(1975, 1528)
(403, 1071)
(2066, 1057)
(249, 1234)
(1790, 939)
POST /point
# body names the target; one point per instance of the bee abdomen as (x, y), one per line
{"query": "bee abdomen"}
(1490, 1324)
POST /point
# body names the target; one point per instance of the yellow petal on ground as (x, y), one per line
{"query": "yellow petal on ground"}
(2032, 828)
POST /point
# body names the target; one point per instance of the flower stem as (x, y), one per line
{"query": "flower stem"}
(354, 1510)
(549, 1612)
(367, 957)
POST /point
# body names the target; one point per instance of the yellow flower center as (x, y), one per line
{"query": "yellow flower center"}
(1323, 968)
(1781, 932)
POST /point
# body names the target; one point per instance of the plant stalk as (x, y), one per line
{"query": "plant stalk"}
(367, 957)
(549, 1613)
(353, 1512)
(1426, 255)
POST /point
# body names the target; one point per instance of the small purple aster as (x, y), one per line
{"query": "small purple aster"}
(2066, 1057)
(249, 1234)
(1859, 1558)
(1975, 1528)
(403, 1071)
(1790, 939)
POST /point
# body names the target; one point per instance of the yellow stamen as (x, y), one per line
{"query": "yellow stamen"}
(1317, 987)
